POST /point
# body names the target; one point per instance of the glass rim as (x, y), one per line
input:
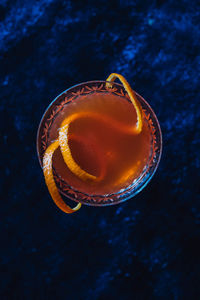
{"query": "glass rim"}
(122, 190)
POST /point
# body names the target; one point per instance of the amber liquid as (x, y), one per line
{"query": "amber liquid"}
(100, 148)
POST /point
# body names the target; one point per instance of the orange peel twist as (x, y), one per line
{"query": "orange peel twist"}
(48, 175)
(63, 143)
(132, 97)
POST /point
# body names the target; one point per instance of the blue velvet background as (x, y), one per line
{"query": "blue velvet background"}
(147, 247)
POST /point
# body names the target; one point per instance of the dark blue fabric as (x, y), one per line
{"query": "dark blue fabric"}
(147, 247)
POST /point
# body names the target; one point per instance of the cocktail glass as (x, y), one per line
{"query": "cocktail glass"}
(70, 96)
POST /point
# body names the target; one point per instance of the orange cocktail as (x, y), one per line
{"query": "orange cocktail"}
(102, 155)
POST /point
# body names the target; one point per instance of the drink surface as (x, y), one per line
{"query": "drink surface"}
(99, 147)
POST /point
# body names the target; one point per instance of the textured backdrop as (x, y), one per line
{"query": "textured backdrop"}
(147, 247)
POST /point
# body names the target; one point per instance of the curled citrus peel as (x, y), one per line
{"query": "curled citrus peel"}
(48, 175)
(63, 143)
(132, 97)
